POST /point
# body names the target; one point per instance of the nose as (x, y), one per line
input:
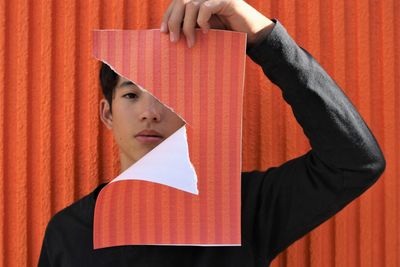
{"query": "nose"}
(151, 111)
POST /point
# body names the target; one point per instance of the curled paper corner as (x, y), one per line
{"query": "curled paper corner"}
(168, 164)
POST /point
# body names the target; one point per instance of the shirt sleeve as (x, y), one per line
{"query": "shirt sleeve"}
(345, 158)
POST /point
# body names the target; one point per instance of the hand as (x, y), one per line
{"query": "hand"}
(234, 15)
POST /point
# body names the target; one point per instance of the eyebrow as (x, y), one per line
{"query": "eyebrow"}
(127, 83)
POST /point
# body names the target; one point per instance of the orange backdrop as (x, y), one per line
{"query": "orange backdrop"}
(54, 150)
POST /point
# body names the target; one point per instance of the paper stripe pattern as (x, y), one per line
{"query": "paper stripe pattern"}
(204, 85)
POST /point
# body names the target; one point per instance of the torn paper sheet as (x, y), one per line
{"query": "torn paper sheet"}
(204, 86)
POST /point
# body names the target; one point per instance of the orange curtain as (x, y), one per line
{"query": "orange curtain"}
(54, 149)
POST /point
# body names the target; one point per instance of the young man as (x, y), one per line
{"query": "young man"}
(279, 205)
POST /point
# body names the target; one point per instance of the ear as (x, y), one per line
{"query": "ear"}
(105, 113)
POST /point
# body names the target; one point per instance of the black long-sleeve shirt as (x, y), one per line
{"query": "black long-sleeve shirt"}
(279, 205)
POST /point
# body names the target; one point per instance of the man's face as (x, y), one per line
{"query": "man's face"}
(135, 111)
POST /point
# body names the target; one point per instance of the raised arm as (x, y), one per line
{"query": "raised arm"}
(345, 158)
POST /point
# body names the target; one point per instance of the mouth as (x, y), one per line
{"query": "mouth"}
(149, 136)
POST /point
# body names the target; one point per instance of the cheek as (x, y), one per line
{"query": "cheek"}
(121, 129)
(123, 114)
(174, 122)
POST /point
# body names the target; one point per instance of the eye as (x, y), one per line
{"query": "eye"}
(130, 96)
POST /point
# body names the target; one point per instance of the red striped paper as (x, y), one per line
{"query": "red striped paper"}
(204, 85)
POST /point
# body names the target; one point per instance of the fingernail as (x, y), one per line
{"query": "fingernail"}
(205, 30)
(163, 27)
(172, 37)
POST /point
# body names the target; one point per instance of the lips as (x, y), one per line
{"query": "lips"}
(149, 136)
(152, 133)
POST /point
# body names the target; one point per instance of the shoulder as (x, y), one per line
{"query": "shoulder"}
(69, 231)
(78, 215)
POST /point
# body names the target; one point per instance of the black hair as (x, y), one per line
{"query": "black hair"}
(108, 81)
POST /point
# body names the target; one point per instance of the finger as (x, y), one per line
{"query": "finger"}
(207, 9)
(175, 20)
(189, 23)
(167, 14)
(216, 22)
